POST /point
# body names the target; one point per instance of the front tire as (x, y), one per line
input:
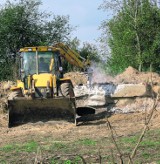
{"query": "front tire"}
(66, 90)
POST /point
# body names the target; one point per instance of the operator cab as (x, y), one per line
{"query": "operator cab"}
(37, 60)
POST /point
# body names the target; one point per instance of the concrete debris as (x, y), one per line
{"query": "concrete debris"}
(111, 90)
(122, 98)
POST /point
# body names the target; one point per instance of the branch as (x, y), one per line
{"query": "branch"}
(114, 141)
(145, 129)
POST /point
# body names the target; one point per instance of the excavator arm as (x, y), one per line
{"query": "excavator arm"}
(72, 56)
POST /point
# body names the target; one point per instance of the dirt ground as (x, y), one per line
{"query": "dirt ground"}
(123, 124)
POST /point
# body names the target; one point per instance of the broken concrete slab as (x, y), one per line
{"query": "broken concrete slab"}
(112, 90)
(132, 90)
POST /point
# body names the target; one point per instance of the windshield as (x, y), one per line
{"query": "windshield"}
(29, 62)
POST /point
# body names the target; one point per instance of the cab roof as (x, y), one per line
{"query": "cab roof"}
(38, 48)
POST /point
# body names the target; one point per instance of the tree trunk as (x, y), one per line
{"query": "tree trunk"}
(139, 52)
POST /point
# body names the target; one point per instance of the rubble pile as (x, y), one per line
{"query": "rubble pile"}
(126, 92)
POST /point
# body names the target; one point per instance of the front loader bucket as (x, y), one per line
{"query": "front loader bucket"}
(22, 110)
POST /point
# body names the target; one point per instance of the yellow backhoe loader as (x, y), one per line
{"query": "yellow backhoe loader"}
(41, 91)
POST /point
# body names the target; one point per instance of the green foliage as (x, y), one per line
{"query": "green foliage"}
(6, 68)
(134, 37)
(23, 24)
(90, 51)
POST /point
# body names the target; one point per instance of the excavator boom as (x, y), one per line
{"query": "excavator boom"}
(72, 56)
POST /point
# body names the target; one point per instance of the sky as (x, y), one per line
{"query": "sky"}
(83, 13)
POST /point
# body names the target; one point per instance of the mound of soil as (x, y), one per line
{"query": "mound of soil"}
(131, 75)
(4, 91)
(77, 78)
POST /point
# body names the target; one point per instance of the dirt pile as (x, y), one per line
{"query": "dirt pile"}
(77, 78)
(131, 75)
(5, 87)
(4, 91)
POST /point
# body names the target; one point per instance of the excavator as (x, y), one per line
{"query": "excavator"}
(42, 91)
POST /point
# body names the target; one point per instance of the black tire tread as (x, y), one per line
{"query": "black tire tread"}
(67, 90)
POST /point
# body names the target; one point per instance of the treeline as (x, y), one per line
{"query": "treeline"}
(130, 38)
(23, 24)
(133, 35)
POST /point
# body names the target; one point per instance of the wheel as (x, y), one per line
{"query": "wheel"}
(66, 90)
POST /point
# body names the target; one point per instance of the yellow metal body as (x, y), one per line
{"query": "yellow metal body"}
(72, 56)
(41, 79)
(39, 48)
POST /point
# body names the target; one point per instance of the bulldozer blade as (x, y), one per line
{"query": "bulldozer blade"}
(23, 110)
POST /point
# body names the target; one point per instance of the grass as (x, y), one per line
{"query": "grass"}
(74, 160)
(30, 146)
(130, 140)
(7, 148)
(148, 150)
(146, 155)
(58, 145)
(87, 142)
(71, 152)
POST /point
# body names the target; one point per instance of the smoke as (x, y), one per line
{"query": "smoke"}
(99, 75)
